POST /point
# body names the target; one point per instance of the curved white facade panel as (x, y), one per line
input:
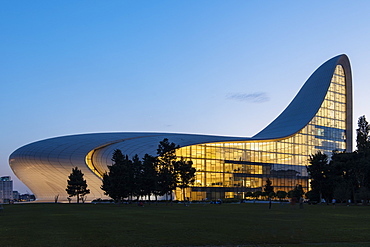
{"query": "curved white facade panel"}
(44, 166)
(318, 118)
(309, 100)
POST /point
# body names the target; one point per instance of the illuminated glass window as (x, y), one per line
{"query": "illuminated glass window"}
(235, 168)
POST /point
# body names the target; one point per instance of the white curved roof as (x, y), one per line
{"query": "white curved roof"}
(44, 165)
(307, 102)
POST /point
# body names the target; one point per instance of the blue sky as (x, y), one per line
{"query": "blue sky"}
(211, 67)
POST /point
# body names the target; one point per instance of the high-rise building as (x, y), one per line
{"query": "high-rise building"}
(319, 118)
(6, 189)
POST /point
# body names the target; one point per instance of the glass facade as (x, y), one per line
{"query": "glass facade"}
(229, 169)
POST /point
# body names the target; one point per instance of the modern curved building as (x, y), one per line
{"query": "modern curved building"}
(318, 119)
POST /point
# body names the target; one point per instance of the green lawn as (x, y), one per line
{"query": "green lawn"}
(197, 225)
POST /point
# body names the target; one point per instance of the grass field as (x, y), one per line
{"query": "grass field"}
(197, 225)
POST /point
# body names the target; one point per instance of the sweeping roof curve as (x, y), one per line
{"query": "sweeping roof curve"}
(307, 102)
(295, 117)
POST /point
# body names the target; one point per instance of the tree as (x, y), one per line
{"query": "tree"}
(296, 193)
(150, 176)
(166, 175)
(272, 195)
(364, 195)
(118, 182)
(138, 183)
(363, 144)
(249, 194)
(363, 150)
(348, 172)
(268, 187)
(342, 191)
(353, 169)
(320, 173)
(167, 151)
(166, 180)
(257, 194)
(185, 174)
(281, 194)
(313, 196)
(77, 185)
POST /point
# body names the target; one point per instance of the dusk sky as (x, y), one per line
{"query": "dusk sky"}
(209, 67)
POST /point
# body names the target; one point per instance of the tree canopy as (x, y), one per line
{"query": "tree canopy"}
(185, 174)
(281, 194)
(320, 173)
(269, 189)
(118, 182)
(76, 185)
(297, 192)
(167, 180)
(362, 135)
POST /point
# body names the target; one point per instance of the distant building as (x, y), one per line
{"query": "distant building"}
(6, 189)
(16, 195)
(319, 118)
(26, 198)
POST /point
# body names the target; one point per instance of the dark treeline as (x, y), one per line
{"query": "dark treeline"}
(268, 192)
(346, 177)
(152, 175)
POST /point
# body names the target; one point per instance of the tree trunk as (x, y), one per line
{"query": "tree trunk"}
(171, 197)
(183, 192)
(354, 195)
